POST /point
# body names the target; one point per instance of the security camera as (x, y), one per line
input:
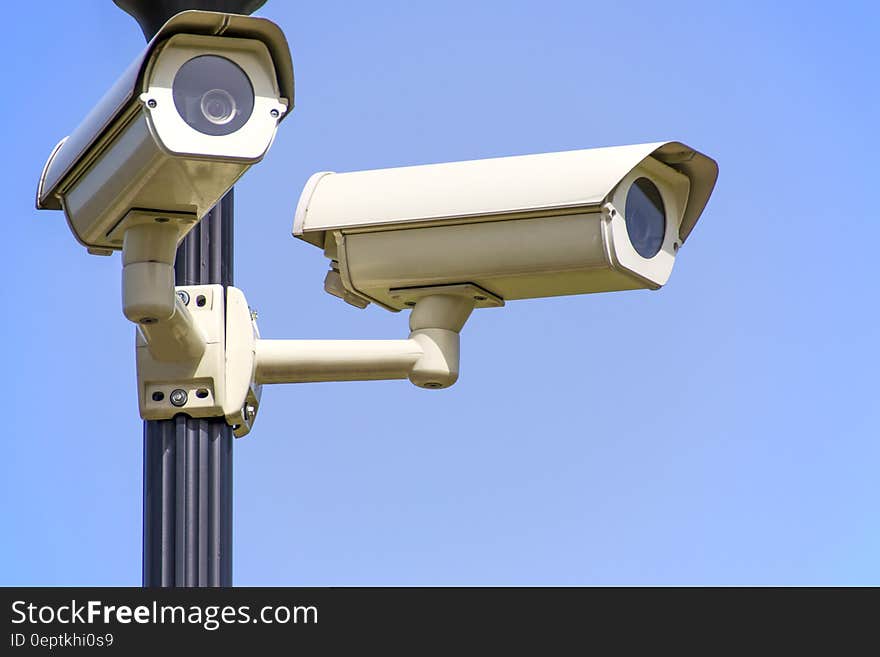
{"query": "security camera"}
(187, 118)
(191, 113)
(575, 222)
(442, 240)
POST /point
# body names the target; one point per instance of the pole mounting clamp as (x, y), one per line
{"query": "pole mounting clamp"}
(219, 382)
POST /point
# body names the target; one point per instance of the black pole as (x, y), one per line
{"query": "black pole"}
(188, 462)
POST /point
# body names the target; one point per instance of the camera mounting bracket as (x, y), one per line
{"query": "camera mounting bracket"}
(217, 383)
(226, 377)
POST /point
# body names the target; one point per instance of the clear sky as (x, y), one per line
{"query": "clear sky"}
(723, 430)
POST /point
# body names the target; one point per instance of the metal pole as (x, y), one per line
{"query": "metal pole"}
(188, 462)
(187, 535)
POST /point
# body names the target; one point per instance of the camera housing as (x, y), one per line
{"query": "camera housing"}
(158, 146)
(521, 227)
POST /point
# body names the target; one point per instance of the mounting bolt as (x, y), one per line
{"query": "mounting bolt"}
(151, 103)
(178, 397)
(184, 296)
(274, 113)
(249, 412)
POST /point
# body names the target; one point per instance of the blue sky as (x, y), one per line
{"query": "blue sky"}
(723, 430)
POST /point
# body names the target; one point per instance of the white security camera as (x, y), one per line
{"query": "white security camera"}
(443, 240)
(544, 225)
(188, 117)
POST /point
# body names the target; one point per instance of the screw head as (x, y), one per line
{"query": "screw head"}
(274, 113)
(183, 295)
(152, 103)
(177, 397)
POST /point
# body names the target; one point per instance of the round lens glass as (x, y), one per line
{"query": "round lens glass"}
(218, 106)
(645, 217)
(213, 95)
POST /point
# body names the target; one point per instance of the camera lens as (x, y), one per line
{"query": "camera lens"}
(645, 217)
(213, 95)
(218, 106)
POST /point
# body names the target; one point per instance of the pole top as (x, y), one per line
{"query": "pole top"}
(152, 14)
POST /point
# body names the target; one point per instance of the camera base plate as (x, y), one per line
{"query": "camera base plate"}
(482, 298)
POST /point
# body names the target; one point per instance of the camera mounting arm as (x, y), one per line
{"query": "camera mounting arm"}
(429, 358)
(227, 379)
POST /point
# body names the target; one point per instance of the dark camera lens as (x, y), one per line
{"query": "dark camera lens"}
(645, 217)
(213, 95)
